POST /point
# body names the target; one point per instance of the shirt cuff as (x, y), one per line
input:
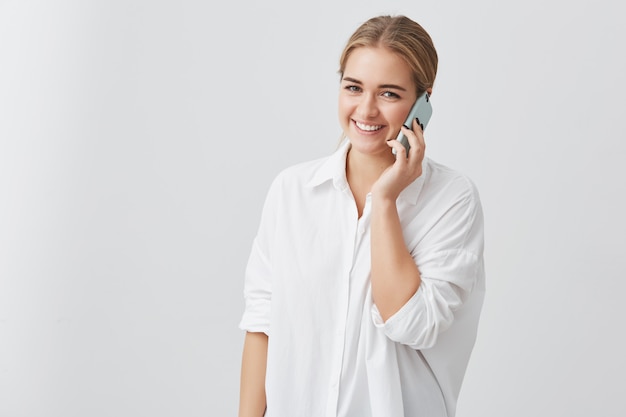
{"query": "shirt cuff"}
(398, 315)
(419, 321)
(256, 317)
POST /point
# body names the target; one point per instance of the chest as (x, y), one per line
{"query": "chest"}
(318, 238)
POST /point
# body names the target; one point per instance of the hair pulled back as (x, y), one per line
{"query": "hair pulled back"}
(402, 36)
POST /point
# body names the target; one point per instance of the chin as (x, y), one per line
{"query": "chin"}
(369, 146)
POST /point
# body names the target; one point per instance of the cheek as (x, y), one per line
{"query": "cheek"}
(341, 104)
(344, 108)
(398, 115)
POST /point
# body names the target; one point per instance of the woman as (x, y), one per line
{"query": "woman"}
(365, 281)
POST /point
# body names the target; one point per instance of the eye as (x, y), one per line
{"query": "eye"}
(353, 88)
(390, 94)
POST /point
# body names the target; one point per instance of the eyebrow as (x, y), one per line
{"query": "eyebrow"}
(392, 86)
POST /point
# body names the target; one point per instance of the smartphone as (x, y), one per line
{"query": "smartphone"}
(422, 110)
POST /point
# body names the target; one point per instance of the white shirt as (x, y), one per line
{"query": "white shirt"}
(307, 287)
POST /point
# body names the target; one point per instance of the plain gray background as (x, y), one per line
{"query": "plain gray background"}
(138, 139)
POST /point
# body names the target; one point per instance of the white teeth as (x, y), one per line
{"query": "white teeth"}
(367, 127)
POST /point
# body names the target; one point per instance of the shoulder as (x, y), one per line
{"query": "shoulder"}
(450, 202)
(297, 176)
(301, 172)
(448, 193)
(443, 180)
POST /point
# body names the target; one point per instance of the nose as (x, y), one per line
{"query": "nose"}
(367, 107)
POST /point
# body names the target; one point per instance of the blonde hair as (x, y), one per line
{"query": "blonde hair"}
(403, 36)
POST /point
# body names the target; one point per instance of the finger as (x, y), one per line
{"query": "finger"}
(401, 155)
(416, 138)
(421, 141)
(420, 133)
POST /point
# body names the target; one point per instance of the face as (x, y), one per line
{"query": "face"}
(377, 92)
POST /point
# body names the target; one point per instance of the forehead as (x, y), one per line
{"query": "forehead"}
(377, 65)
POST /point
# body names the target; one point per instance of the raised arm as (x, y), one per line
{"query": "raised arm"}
(395, 277)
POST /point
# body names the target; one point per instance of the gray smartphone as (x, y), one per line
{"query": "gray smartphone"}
(421, 110)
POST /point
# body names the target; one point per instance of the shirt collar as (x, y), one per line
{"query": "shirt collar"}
(334, 169)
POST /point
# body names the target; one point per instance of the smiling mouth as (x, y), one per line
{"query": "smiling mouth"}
(368, 128)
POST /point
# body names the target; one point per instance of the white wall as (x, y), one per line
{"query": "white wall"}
(138, 138)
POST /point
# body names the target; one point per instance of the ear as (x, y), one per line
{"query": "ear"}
(429, 91)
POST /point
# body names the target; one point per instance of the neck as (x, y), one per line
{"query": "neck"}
(362, 170)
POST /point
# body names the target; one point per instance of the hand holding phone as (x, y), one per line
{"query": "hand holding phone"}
(421, 110)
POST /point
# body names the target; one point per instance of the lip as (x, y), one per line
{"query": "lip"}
(367, 132)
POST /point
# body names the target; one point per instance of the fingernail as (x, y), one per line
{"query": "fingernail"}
(422, 126)
(406, 127)
(418, 120)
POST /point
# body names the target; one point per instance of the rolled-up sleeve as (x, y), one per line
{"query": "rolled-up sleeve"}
(258, 278)
(450, 262)
(257, 292)
(431, 309)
